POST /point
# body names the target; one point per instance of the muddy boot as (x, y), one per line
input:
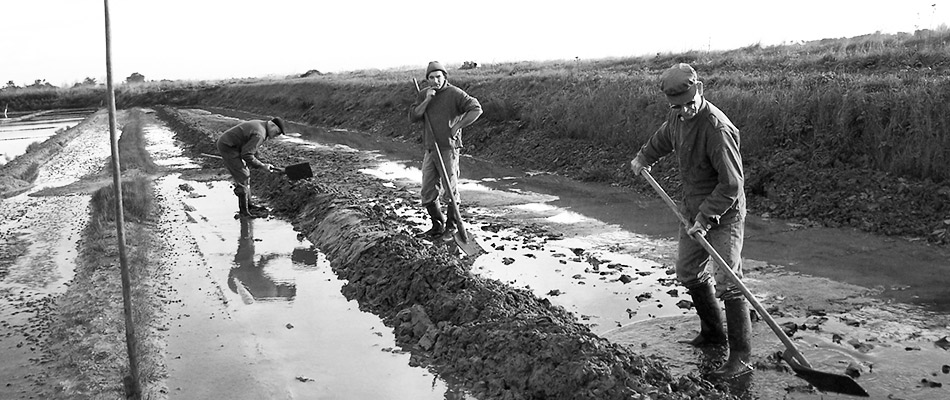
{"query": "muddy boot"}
(739, 326)
(438, 221)
(450, 226)
(243, 210)
(711, 332)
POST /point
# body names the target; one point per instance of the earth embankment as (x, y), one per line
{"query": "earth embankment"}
(806, 158)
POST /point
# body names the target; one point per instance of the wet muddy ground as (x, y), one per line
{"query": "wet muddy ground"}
(244, 295)
(847, 318)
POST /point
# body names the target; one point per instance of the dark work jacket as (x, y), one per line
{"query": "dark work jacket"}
(707, 147)
(445, 109)
(246, 138)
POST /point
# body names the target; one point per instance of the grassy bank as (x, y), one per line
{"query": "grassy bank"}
(87, 339)
(847, 133)
(838, 132)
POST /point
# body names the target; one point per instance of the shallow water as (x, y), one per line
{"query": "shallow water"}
(260, 314)
(15, 137)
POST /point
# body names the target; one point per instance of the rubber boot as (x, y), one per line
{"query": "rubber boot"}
(243, 210)
(450, 225)
(739, 326)
(711, 332)
(438, 221)
(256, 208)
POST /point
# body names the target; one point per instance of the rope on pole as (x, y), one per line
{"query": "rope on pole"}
(132, 385)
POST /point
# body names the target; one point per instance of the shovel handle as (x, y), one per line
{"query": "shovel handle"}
(792, 350)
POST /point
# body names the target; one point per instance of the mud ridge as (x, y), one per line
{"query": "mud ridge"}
(499, 341)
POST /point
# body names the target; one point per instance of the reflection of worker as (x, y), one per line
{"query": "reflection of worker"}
(446, 109)
(707, 146)
(238, 147)
(247, 274)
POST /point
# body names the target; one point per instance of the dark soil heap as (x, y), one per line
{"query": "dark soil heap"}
(498, 341)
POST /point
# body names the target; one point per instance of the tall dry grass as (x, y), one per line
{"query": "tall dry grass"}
(872, 101)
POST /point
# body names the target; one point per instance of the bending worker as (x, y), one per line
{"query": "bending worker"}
(707, 147)
(445, 109)
(238, 148)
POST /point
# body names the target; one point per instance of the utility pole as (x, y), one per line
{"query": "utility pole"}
(132, 385)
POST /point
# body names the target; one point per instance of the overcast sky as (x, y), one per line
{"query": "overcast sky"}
(63, 41)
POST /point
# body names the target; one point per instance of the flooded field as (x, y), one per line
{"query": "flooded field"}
(17, 133)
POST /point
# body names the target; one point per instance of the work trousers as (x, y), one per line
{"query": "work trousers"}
(694, 266)
(240, 174)
(431, 176)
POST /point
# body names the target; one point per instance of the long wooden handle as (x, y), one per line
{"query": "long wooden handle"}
(729, 272)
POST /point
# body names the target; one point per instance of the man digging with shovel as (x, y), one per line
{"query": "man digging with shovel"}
(238, 148)
(707, 147)
(445, 109)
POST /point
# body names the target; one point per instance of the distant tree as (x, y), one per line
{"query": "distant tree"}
(311, 72)
(40, 84)
(10, 85)
(135, 78)
(89, 81)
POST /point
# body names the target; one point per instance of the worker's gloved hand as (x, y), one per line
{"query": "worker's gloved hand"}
(701, 225)
(637, 166)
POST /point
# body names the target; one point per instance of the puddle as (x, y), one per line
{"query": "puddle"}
(260, 314)
(605, 289)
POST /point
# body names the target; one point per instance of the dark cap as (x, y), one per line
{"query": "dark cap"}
(679, 83)
(435, 66)
(280, 124)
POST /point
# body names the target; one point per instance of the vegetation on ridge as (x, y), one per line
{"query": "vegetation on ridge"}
(839, 132)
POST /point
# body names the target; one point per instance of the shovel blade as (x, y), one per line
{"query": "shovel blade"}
(467, 244)
(826, 381)
(298, 171)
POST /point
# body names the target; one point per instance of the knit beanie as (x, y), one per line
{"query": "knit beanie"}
(435, 66)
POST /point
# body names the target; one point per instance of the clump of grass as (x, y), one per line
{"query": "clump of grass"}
(137, 201)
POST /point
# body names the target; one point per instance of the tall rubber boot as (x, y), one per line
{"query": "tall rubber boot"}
(243, 210)
(739, 326)
(450, 226)
(711, 332)
(438, 221)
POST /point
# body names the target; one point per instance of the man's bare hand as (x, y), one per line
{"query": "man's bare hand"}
(701, 225)
(637, 166)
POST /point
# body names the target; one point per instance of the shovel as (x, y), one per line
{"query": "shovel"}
(462, 239)
(824, 381)
(298, 171)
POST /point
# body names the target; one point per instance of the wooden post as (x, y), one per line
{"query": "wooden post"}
(131, 383)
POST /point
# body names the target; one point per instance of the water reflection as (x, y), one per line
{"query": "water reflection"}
(247, 277)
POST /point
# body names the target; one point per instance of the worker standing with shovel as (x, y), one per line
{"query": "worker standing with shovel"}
(707, 147)
(445, 109)
(238, 148)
